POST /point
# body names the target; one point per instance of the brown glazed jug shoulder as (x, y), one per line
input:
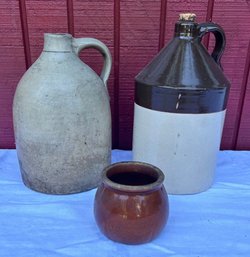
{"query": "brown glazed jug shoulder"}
(131, 204)
(62, 119)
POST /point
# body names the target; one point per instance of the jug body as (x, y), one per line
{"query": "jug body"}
(62, 119)
(184, 146)
(180, 106)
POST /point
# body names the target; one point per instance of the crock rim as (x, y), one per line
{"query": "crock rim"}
(130, 188)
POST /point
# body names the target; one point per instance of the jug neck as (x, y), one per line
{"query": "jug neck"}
(186, 26)
(186, 29)
(57, 42)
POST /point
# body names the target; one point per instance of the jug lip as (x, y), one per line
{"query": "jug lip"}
(58, 42)
(132, 167)
(57, 35)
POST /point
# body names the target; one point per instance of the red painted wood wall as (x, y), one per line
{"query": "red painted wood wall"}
(134, 31)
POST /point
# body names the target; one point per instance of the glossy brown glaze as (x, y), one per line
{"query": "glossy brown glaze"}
(131, 204)
(184, 77)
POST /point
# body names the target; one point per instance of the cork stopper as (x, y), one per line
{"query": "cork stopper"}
(187, 16)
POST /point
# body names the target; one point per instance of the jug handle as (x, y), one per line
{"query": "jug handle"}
(80, 44)
(220, 39)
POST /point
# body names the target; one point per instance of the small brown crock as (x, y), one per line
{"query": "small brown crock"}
(131, 204)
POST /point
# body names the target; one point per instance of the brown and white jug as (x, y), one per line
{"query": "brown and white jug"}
(180, 105)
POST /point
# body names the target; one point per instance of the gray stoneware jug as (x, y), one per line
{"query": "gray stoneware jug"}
(62, 118)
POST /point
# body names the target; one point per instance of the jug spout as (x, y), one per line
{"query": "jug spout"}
(57, 42)
(186, 26)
